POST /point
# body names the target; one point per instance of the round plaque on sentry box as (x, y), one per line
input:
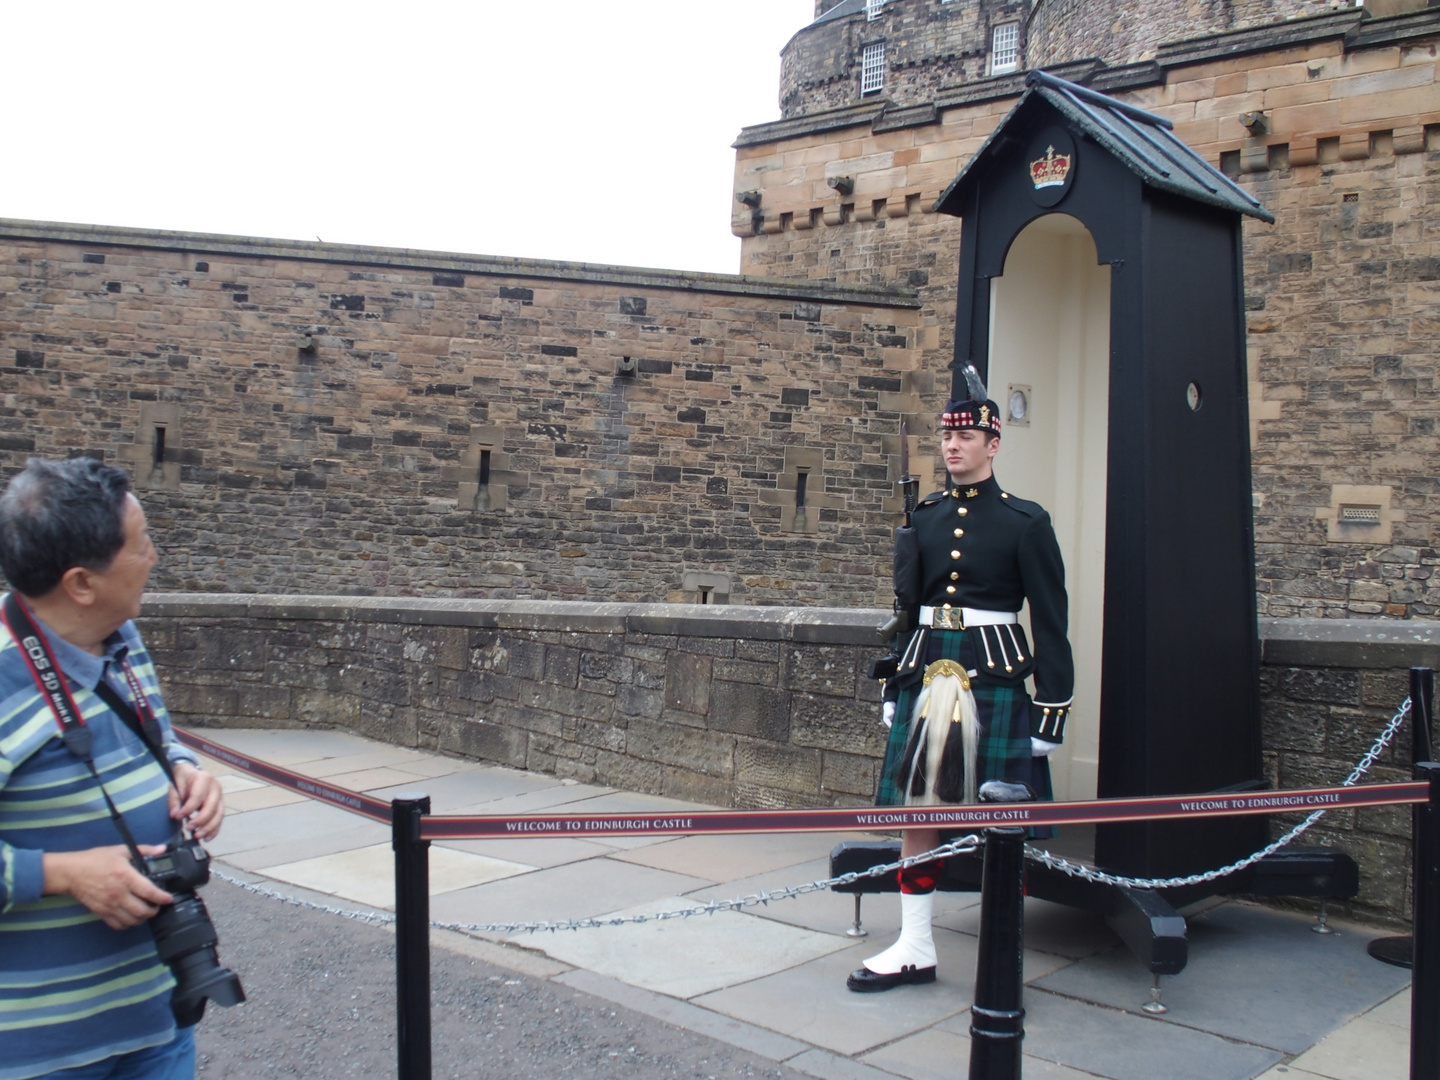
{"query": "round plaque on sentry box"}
(1050, 165)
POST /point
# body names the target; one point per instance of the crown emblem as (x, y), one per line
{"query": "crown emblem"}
(1051, 170)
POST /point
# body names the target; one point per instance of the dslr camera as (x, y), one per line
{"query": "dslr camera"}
(184, 935)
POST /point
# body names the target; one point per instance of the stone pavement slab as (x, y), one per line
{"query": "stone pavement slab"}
(260, 798)
(829, 912)
(290, 746)
(1123, 1046)
(540, 853)
(1307, 985)
(687, 957)
(1396, 1011)
(1361, 1050)
(685, 1015)
(941, 1054)
(394, 757)
(811, 1003)
(367, 874)
(310, 822)
(724, 858)
(573, 891)
(457, 791)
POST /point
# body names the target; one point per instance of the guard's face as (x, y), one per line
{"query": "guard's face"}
(968, 454)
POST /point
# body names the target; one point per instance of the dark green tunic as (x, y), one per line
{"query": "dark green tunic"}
(983, 548)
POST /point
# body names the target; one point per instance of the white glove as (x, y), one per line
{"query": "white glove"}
(1041, 748)
(887, 714)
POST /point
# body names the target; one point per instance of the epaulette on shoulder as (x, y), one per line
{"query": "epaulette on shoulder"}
(930, 499)
(1023, 506)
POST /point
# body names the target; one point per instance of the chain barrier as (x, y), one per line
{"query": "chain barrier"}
(954, 847)
(1055, 862)
(739, 903)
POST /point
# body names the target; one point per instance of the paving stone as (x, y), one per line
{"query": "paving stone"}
(1306, 984)
(811, 1002)
(1126, 1046)
(367, 875)
(688, 1016)
(571, 891)
(689, 956)
(1361, 1050)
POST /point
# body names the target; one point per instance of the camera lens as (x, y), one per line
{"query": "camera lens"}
(185, 938)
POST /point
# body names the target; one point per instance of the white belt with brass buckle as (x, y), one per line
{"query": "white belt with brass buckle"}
(960, 618)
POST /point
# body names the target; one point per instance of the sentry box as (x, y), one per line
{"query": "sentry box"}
(1101, 298)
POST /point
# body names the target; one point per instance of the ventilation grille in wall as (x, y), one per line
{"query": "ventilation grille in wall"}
(1359, 515)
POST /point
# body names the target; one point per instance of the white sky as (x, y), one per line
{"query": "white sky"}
(554, 129)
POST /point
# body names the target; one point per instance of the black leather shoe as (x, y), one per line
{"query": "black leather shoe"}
(865, 981)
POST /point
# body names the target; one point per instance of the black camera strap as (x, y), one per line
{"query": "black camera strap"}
(56, 692)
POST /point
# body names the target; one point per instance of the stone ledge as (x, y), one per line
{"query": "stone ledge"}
(1342, 643)
(480, 265)
(1350, 643)
(813, 625)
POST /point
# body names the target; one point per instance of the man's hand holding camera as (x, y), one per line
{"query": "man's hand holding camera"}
(105, 880)
(197, 800)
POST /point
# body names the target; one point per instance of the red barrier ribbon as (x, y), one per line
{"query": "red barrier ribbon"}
(851, 819)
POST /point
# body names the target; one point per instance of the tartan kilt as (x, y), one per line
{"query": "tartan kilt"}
(1004, 714)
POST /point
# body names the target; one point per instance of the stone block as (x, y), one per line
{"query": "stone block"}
(607, 666)
(482, 740)
(185, 700)
(1288, 725)
(227, 649)
(1329, 686)
(742, 709)
(270, 702)
(849, 774)
(820, 670)
(783, 768)
(562, 665)
(709, 753)
(452, 647)
(325, 707)
(628, 773)
(565, 702)
(605, 736)
(692, 787)
(828, 723)
(525, 660)
(638, 701)
(687, 682)
(744, 671)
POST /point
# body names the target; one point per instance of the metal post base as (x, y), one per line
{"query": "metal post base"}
(1155, 1007)
(1321, 925)
(1399, 951)
(857, 931)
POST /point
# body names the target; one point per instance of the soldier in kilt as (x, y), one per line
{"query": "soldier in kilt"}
(955, 696)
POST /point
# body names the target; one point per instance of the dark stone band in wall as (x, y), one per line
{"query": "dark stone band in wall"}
(730, 705)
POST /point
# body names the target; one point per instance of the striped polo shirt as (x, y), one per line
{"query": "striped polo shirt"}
(72, 990)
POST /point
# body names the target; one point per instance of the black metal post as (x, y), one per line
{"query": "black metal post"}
(997, 1021)
(1425, 974)
(1422, 714)
(1400, 950)
(412, 937)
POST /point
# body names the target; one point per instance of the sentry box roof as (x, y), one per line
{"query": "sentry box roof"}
(1143, 142)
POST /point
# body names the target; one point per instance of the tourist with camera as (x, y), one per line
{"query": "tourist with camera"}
(94, 790)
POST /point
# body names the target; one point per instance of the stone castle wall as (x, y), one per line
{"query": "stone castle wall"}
(732, 706)
(932, 46)
(305, 418)
(929, 45)
(1343, 289)
(1125, 31)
